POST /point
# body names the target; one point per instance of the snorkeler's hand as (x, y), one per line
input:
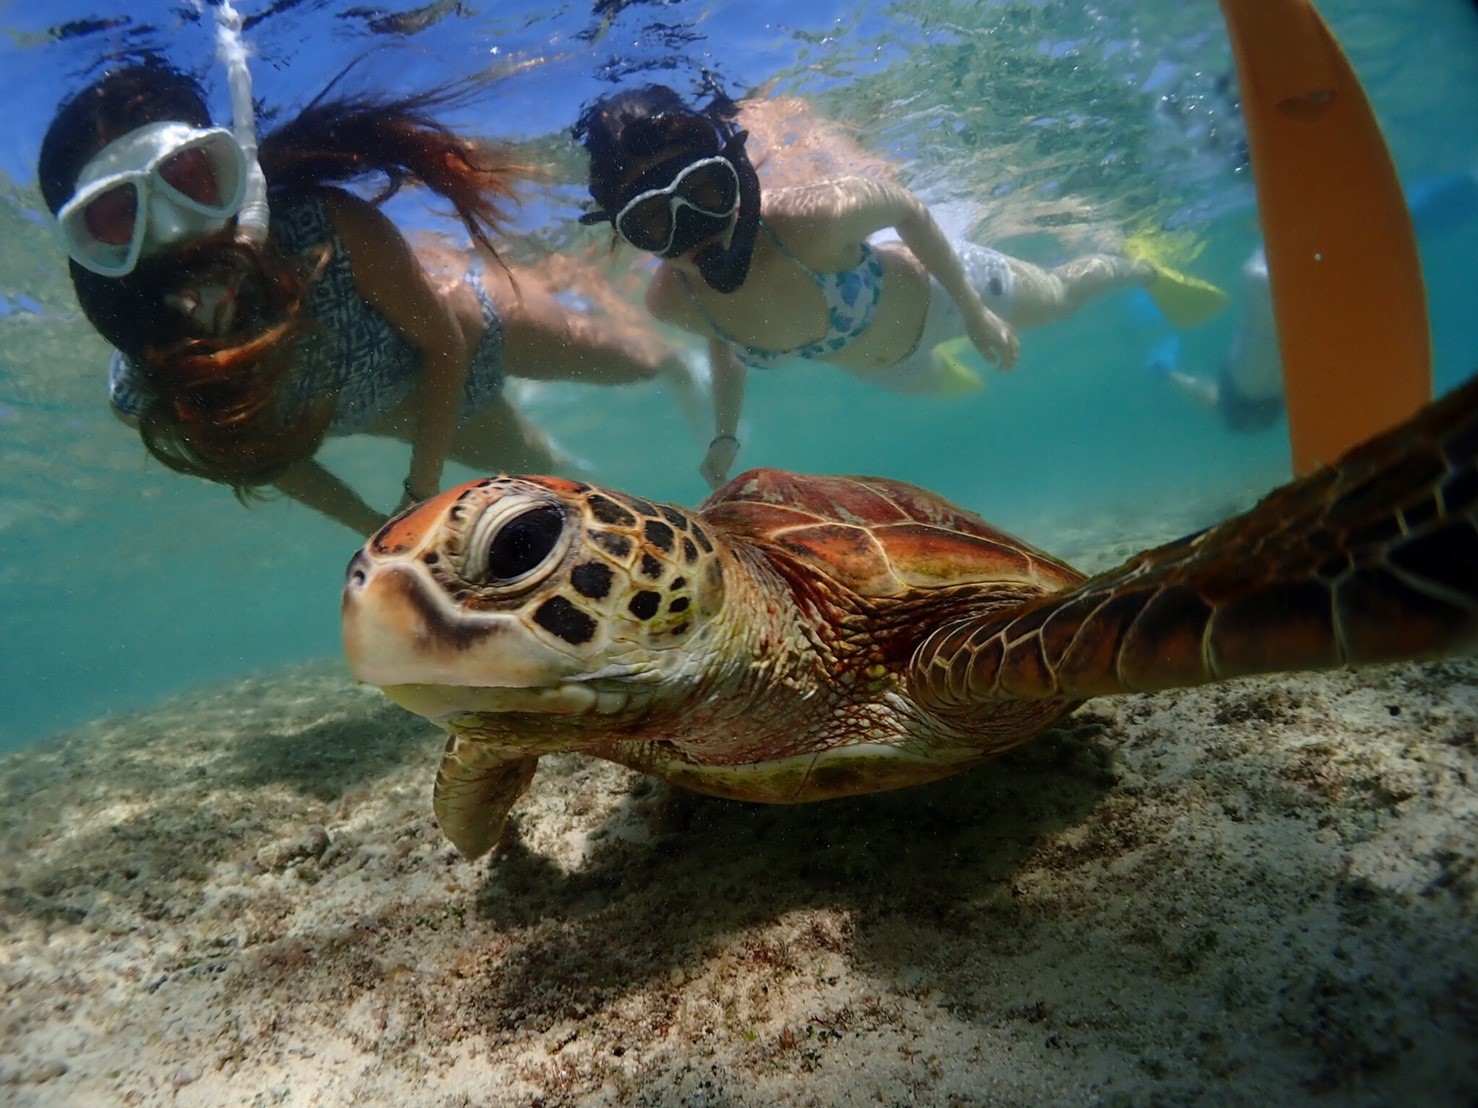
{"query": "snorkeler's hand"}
(994, 338)
(719, 459)
(409, 497)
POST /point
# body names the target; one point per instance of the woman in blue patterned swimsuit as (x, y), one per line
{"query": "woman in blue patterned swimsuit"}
(235, 359)
(799, 271)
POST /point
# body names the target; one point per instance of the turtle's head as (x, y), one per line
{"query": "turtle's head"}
(531, 595)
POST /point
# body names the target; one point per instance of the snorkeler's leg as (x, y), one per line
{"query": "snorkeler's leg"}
(499, 438)
(937, 365)
(1042, 296)
(546, 340)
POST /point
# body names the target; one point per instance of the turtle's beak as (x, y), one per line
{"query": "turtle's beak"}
(401, 628)
(382, 622)
(395, 622)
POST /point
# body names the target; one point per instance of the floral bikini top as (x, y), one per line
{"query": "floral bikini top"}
(851, 298)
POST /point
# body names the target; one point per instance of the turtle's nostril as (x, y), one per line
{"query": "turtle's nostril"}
(357, 575)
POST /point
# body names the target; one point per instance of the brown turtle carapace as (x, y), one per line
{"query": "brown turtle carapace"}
(797, 638)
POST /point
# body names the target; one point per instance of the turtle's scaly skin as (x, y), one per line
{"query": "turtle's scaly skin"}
(799, 638)
(1374, 559)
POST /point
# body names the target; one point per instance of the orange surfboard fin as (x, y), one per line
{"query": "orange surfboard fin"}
(1346, 279)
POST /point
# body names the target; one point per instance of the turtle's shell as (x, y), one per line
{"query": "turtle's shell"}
(875, 536)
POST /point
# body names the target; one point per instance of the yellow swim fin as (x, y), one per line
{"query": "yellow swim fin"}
(1186, 301)
(1342, 260)
(954, 377)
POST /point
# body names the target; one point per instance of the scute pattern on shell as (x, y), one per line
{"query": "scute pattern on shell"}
(875, 536)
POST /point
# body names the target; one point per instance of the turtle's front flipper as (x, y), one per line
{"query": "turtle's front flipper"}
(475, 788)
(1374, 559)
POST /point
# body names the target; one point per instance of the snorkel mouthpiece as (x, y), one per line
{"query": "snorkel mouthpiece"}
(724, 268)
(252, 219)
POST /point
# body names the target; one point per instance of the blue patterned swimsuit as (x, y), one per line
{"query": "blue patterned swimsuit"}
(851, 298)
(354, 355)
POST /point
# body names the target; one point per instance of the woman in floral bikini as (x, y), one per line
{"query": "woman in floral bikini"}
(775, 274)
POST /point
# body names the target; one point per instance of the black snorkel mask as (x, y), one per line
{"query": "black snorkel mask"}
(691, 199)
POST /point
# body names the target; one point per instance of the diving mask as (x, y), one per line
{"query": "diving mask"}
(695, 204)
(155, 186)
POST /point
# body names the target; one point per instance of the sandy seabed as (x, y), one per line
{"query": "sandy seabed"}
(1260, 893)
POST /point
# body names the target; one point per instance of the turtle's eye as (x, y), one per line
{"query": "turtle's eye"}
(512, 540)
(523, 542)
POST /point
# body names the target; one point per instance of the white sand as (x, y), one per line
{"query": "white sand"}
(1260, 893)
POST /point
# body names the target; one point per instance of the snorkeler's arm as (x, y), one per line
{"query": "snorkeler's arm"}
(310, 484)
(670, 302)
(728, 375)
(924, 237)
(860, 206)
(391, 278)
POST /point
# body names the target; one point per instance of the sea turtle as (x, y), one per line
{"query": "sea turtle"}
(797, 638)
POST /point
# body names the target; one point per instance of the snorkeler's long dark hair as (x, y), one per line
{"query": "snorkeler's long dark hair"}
(620, 128)
(213, 411)
(348, 139)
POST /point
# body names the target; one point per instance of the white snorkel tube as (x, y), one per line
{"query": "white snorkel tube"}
(251, 220)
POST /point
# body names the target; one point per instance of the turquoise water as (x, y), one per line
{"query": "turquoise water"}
(1034, 124)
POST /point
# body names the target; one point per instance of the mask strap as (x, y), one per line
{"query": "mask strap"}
(251, 220)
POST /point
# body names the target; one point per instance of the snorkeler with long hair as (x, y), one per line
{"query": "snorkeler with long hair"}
(769, 275)
(250, 327)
